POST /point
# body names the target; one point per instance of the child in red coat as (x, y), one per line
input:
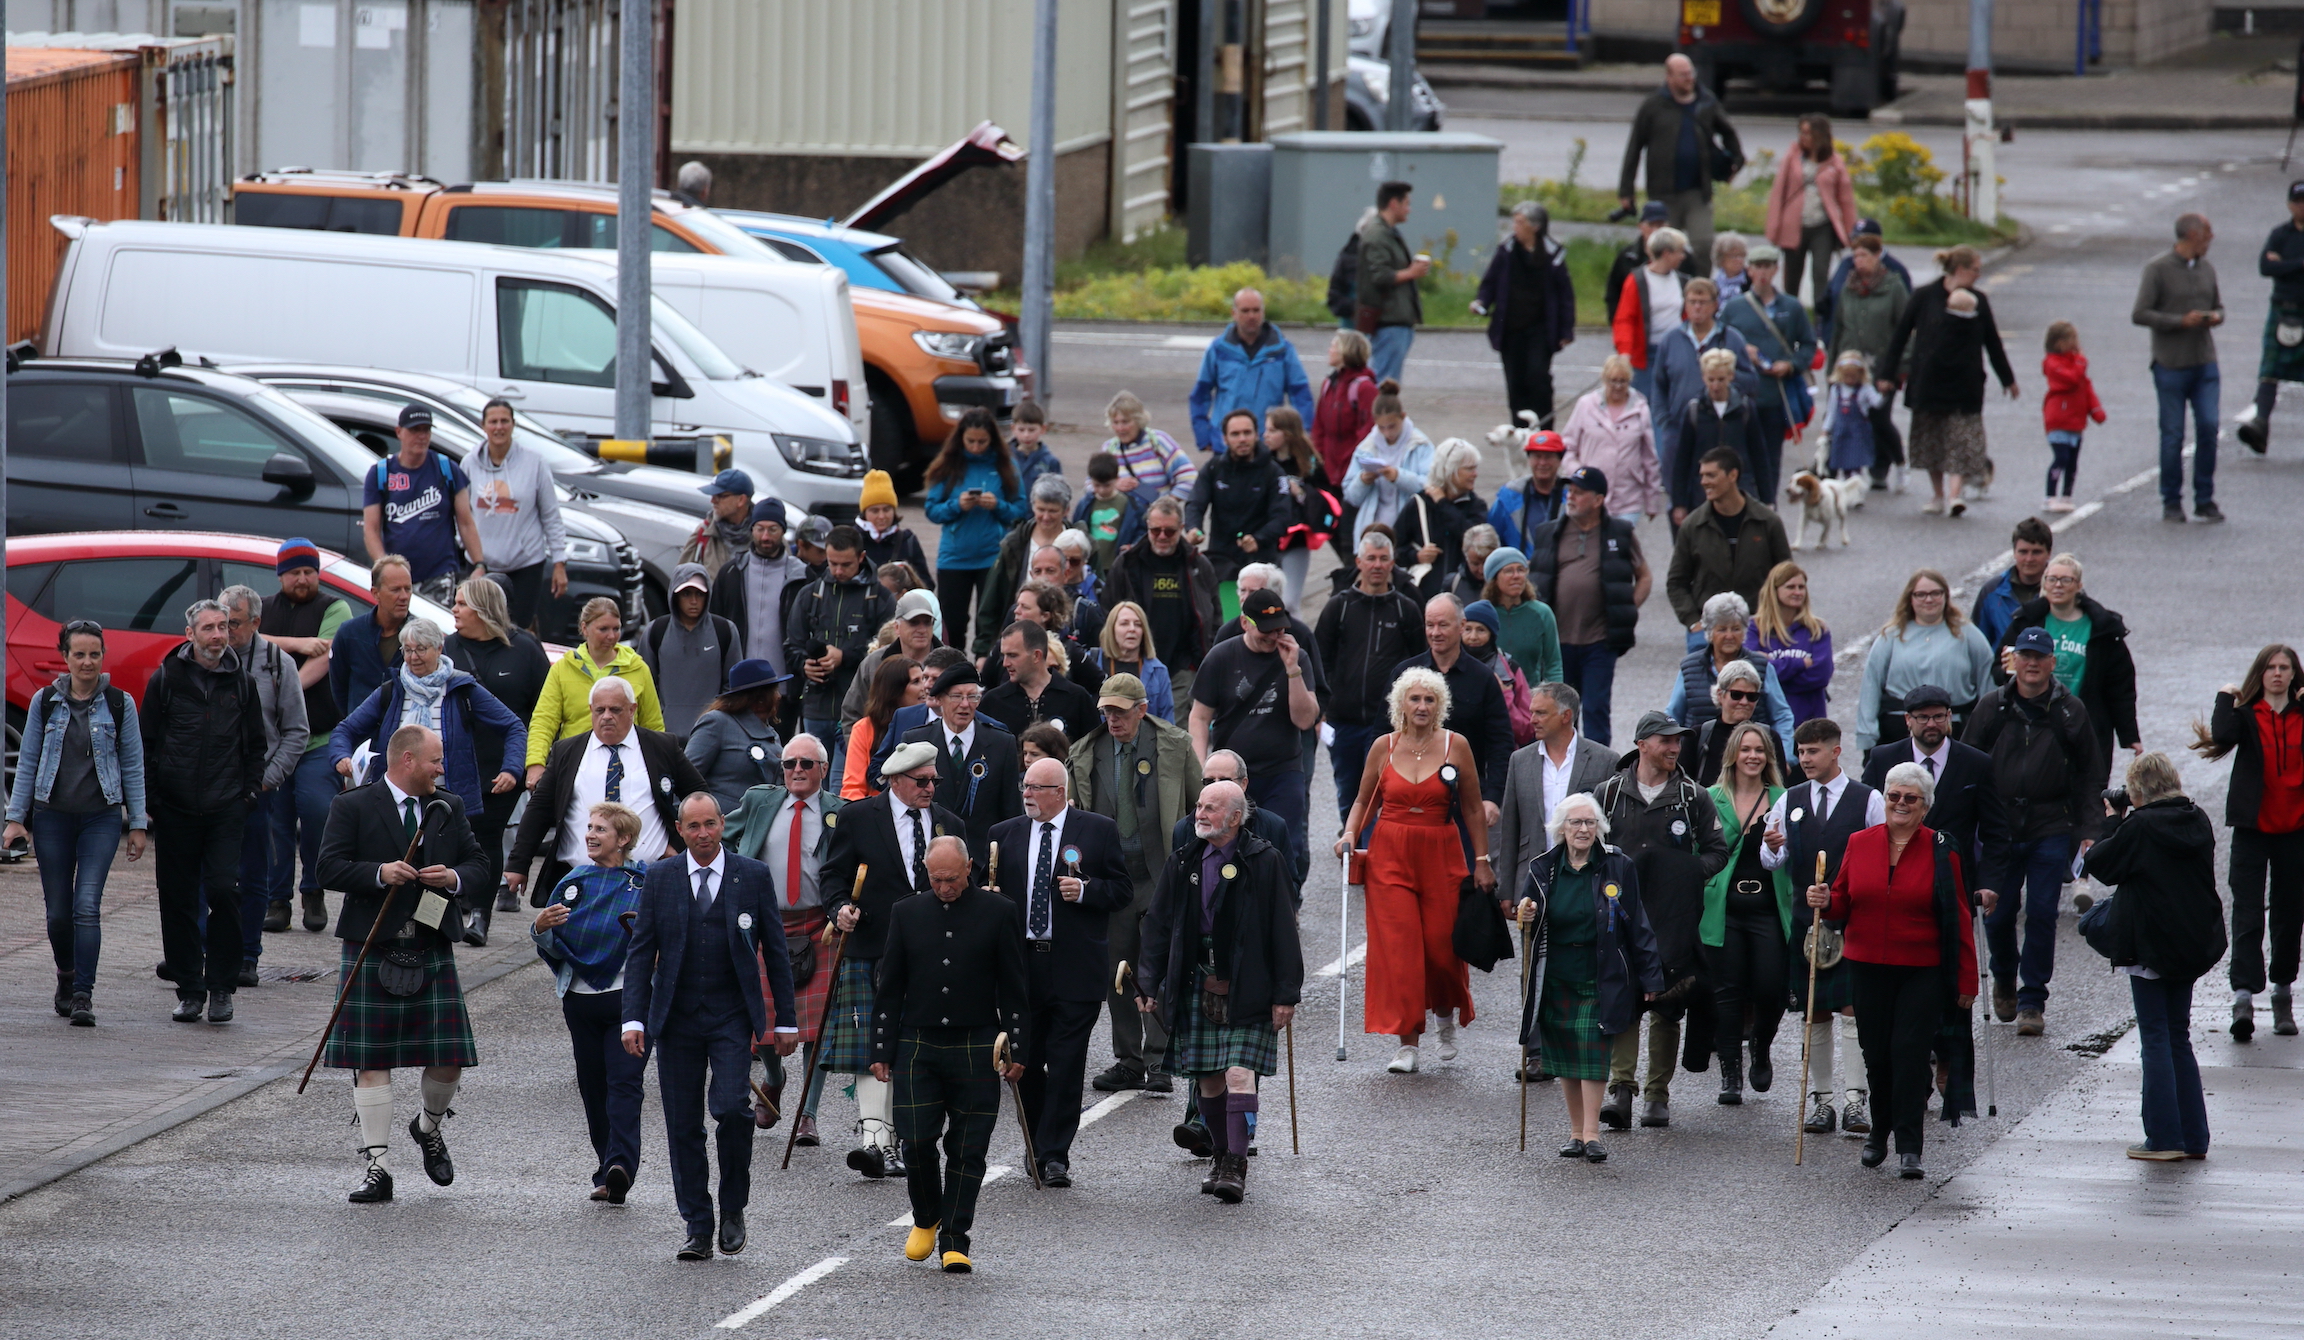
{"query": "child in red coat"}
(2070, 403)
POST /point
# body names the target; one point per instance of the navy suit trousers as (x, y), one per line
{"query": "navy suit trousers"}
(688, 1049)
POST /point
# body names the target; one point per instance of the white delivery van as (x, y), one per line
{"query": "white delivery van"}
(534, 326)
(792, 322)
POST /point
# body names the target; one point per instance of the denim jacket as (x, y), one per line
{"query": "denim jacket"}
(119, 747)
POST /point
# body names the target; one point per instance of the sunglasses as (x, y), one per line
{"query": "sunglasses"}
(1741, 695)
(801, 764)
(1163, 530)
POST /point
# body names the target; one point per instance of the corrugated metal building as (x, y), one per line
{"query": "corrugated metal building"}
(72, 149)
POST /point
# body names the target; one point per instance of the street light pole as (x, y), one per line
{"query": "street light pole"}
(1400, 41)
(1039, 280)
(635, 215)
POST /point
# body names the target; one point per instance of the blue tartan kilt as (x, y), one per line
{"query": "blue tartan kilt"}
(381, 1031)
(847, 1048)
(1197, 1047)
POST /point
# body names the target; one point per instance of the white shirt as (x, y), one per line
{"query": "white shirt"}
(944, 736)
(903, 815)
(1555, 783)
(1053, 837)
(591, 788)
(1827, 800)
(778, 853)
(399, 799)
(1663, 305)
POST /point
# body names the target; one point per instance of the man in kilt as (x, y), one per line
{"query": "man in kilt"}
(951, 981)
(1221, 958)
(789, 829)
(887, 837)
(400, 851)
(2281, 260)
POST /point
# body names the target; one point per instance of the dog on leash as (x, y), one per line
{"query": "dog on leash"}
(1516, 438)
(1824, 504)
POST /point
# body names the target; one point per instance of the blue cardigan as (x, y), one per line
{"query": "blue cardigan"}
(375, 719)
(971, 539)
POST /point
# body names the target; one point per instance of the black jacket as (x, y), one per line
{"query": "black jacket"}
(1234, 498)
(1631, 257)
(985, 791)
(1619, 575)
(1361, 639)
(1943, 355)
(2235, 726)
(827, 612)
(1448, 522)
(950, 965)
(513, 672)
(1703, 428)
(1625, 939)
(1476, 711)
(1078, 965)
(1063, 703)
(2162, 860)
(1676, 845)
(1967, 808)
(203, 730)
(1256, 946)
(364, 832)
(729, 599)
(2108, 687)
(1656, 131)
(548, 802)
(1131, 579)
(898, 546)
(2047, 772)
(1556, 324)
(866, 836)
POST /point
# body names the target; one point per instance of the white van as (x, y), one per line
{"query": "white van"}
(781, 319)
(534, 326)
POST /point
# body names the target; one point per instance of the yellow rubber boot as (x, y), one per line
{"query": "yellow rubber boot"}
(957, 1263)
(920, 1243)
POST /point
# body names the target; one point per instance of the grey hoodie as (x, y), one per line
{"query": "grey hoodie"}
(517, 508)
(286, 729)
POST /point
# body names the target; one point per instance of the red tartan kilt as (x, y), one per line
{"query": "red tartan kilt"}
(808, 999)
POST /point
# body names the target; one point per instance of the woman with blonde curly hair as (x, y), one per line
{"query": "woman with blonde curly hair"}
(1416, 780)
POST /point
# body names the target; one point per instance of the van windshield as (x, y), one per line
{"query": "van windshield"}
(715, 365)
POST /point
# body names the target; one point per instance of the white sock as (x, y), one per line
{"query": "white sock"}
(437, 1095)
(1863, 1075)
(1820, 1056)
(876, 1111)
(373, 1106)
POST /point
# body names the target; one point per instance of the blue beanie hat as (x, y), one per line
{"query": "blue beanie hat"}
(295, 553)
(1481, 611)
(1501, 559)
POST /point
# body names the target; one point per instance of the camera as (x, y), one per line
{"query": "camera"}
(817, 647)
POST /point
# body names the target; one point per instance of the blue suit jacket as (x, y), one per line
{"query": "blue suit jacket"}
(660, 943)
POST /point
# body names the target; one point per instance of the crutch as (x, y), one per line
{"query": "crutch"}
(1527, 963)
(1343, 946)
(1807, 1017)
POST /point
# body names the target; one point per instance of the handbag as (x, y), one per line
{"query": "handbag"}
(1480, 936)
(2096, 925)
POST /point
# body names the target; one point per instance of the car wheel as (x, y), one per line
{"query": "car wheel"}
(655, 602)
(892, 436)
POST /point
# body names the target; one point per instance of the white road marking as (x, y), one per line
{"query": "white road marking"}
(1106, 1108)
(753, 1311)
(1359, 953)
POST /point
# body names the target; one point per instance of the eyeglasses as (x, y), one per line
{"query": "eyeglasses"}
(1163, 530)
(2060, 580)
(1740, 695)
(959, 698)
(802, 764)
(79, 626)
(1903, 799)
(1039, 786)
(917, 778)
(1925, 593)
(1581, 823)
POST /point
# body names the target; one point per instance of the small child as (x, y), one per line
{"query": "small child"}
(1848, 415)
(885, 541)
(1111, 519)
(2070, 403)
(1029, 425)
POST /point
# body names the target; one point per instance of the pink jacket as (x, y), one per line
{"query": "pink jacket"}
(1784, 203)
(1621, 442)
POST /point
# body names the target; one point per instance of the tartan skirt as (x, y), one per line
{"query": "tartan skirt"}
(847, 1048)
(1835, 990)
(1568, 1028)
(2281, 362)
(381, 1031)
(807, 1001)
(1197, 1047)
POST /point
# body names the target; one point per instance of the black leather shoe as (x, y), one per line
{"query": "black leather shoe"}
(1055, 1173)
(1117, 1077)
(698, 1247)
(869, 1161)
(1616, 1112)
(1657, 1114)
(162, 971)
(893, 1161)
(374, 1189)
(1875, 1149)
(315, 910)
(190, 1008)
(1157, 1081)
(1761, 1073)
(1574, 1149)
(63, 995)
(731, 1234)
(476, 925)
(437, 1165)
(1594, 1153)
(616, 1181)
(1193, 1138)
(1908, 1167)
(1821, 1118)
(220, 1007)
(1731, 1081)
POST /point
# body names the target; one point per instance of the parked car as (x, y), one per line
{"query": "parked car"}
(1852, 46)
(1368, 91)
(137, 585)
(536, 327)
(100, 444)
(870, 260)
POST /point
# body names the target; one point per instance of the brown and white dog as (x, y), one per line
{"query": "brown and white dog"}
(1515, 438)
(1824, 503)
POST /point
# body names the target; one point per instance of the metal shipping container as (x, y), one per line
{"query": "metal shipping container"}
(72, 149)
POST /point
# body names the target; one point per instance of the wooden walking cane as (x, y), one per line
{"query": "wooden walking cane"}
(345, 989)
(1000, 1061)
(1527, 973)
(1807, 1017)
(815, 1047)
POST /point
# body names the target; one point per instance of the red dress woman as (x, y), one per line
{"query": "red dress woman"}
(1415, 867)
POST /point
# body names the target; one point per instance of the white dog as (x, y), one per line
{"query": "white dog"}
(1506, 435)
(1824, 503)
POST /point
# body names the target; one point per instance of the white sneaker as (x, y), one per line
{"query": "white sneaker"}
(1448, 1039)
(1932, 507)
(1404, 1063)
(1900, 473)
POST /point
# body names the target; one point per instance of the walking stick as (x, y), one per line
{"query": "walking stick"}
(1807, 1017)
(1343, 946)
(815, 1046)
(1983, 994)
(1527, 974)
(1023, 1123)
(345, 989)
(1295, 1142)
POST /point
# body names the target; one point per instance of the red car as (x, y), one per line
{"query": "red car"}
(137, 584)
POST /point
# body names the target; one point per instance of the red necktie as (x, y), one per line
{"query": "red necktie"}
(792, 860)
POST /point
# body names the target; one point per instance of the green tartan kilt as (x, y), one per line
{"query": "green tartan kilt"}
(2281, 362)
(381, 1031)
(1568, 1026)
(1197, 1047)
(847, 1048)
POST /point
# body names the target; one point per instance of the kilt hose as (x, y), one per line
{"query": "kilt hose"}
(381, 1031)
(945, 1073)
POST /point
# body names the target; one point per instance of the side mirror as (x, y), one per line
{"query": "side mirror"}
(670, 384)
(289, 471)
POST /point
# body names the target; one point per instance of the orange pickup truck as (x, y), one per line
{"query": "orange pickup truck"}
(905, 379)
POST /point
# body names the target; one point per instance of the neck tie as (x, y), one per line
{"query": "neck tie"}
(919, 855)
(959, 756)
(792, 857)
(1036, 925)
(408, 818)
(615, 773)
(1123, 793)
(1930, 764)
(704, 889)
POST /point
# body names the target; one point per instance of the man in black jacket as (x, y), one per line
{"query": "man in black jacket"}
(2092, 657)
(602, 764)
(1176, 585)
(1238, 512)
(1967, 804)
(1633, 255)
(204, 754)
(828, 629)
(1680, 127)
(2043, 752)
(1365, 630)
(1476, 708)
(1588, 568)
(977, 771)
(754, 589)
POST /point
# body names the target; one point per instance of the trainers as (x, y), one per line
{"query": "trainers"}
(2059, 504)
(2151, 1155)
(248, 972)
(2173, 514)
(2283, 1012)
(276, 915)
(220, 1007)
(2030, 1024)
(1448, 1039)
(190, 1008)
(1855, 1114)
(2209, 513)
(83, 1015)
(1404, 1063)
(1959, 507)
(1932, 507)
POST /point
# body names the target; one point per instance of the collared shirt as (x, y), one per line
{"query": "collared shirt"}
(688, 868)
(636, 794)
(1047, 833)
(1935, 762)
(1556, 783)
(399, 807)
(778, 854)
(945, 736)
(903, 815)
(1827, 800)
(1211, 874)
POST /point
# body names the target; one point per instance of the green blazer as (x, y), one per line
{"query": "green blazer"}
(746, 829)
(1712, 929)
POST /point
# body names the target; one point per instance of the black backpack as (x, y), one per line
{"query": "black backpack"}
(1344, 279)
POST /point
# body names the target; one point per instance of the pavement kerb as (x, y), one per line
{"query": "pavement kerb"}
(223, 1093)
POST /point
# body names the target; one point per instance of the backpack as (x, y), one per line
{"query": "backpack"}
(1344, 279)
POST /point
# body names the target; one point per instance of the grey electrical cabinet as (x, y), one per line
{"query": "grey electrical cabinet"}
(1323, 181)
(1227, 218)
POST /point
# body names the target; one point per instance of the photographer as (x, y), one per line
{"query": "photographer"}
(2166, 929)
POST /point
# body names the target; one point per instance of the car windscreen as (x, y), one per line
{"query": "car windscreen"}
(916, 278)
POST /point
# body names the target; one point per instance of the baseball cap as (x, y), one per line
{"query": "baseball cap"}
(691, 576)
(1265, 609)
(1654, 212)
(728, 481)
(2296, 190)
(1926, 695)
(2034, 640)
(1121, 691)
(1656, 723)
(1872, 226)
(415, 416)
(917, 605)
(816, 530)
(1589, 478)
(1544, 439)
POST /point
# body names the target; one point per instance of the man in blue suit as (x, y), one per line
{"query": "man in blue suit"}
(692, 987)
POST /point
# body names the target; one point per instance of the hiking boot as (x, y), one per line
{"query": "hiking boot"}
(2283, 1012)
(1616, 1112)
(2003, 1000)
(2030, 1024)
